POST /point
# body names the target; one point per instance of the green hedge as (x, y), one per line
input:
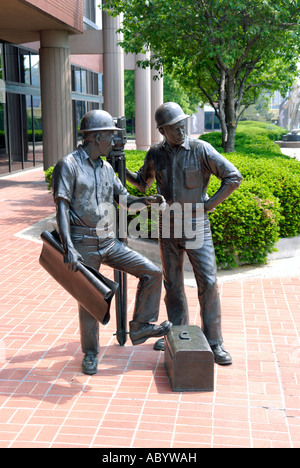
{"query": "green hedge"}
(38, 136)
(259, 159)
(246, 226)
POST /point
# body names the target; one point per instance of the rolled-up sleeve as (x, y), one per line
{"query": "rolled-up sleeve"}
(63, 179)
(119, 188)
(224, 170)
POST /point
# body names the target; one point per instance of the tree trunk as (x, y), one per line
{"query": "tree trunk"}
(226, 109)
(230, 114)
(229, 145)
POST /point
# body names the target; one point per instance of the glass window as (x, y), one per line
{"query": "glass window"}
(29, 140)
(11, 63)
(15, 134)
(76, 79)
(100, 84)
(89, 10)
(25, 67)
(216, 123)
(209, 120)
(90, 84)
(35, 69)
(95, 85)
(20, 113)
(4, 157)
(1, 63)
(37, 129)
(84, 81)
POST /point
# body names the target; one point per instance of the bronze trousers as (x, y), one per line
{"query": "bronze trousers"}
(119, 256)
(203, 262)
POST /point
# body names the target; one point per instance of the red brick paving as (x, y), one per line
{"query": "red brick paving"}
(46, 402)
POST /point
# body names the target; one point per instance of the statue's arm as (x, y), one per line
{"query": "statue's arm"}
(71, 256)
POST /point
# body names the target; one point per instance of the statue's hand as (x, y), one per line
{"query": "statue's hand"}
(158, 199)
(71, 259)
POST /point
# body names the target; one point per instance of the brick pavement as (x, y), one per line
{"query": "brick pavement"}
(46, 402)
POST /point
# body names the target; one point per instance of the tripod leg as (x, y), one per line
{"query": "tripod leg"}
(121, 307)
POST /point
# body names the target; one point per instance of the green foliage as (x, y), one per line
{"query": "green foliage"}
(134, 160)
(260, 110)
(227, 52)
(261, 162)
(129, 94)
(38, 135)
(48, 177)
(245, 227)
(173, 92)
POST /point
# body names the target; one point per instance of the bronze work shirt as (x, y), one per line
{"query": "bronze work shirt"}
(89, 187)
(183, 175)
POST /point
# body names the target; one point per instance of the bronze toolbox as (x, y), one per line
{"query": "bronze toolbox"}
(189, 360)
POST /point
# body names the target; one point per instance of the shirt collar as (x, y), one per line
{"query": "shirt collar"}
(185, 144)
(85, 156)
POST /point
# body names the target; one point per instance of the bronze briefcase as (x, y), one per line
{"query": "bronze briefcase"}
(188, 359)
(91, 289)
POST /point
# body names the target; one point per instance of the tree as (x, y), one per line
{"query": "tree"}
(173, 92)
(260, 111)
(224, 51)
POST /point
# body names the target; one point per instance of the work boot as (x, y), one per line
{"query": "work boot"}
(140, 332)
(159, 345)
(89, 364)
(222, 357)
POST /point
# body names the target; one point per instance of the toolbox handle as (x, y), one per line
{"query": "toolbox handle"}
(184, 335)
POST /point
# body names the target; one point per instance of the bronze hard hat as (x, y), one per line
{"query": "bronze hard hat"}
(96, 120)
(169, 113)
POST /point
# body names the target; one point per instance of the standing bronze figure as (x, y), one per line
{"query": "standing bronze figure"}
(182, 167)
(85, 186)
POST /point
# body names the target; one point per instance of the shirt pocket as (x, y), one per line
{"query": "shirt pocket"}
(191, 177)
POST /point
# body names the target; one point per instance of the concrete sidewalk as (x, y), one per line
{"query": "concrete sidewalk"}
(46, 402)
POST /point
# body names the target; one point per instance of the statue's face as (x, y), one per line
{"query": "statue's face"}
(105, 142)
(174, 134)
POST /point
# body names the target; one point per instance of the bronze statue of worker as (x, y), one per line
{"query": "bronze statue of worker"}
(182, 167)
(84, 185)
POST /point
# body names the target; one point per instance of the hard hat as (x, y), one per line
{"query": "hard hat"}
(169, 113)
(96, 120)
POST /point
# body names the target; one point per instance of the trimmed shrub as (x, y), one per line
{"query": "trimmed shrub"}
(135, 160)
(48, 177)
(263, 161)
(245, 227)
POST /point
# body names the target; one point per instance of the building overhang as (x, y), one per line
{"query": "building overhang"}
(21, 21)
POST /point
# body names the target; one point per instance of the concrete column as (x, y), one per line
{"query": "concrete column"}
(142, 106)
(56, 96)
(113, 66)
(157, 98)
